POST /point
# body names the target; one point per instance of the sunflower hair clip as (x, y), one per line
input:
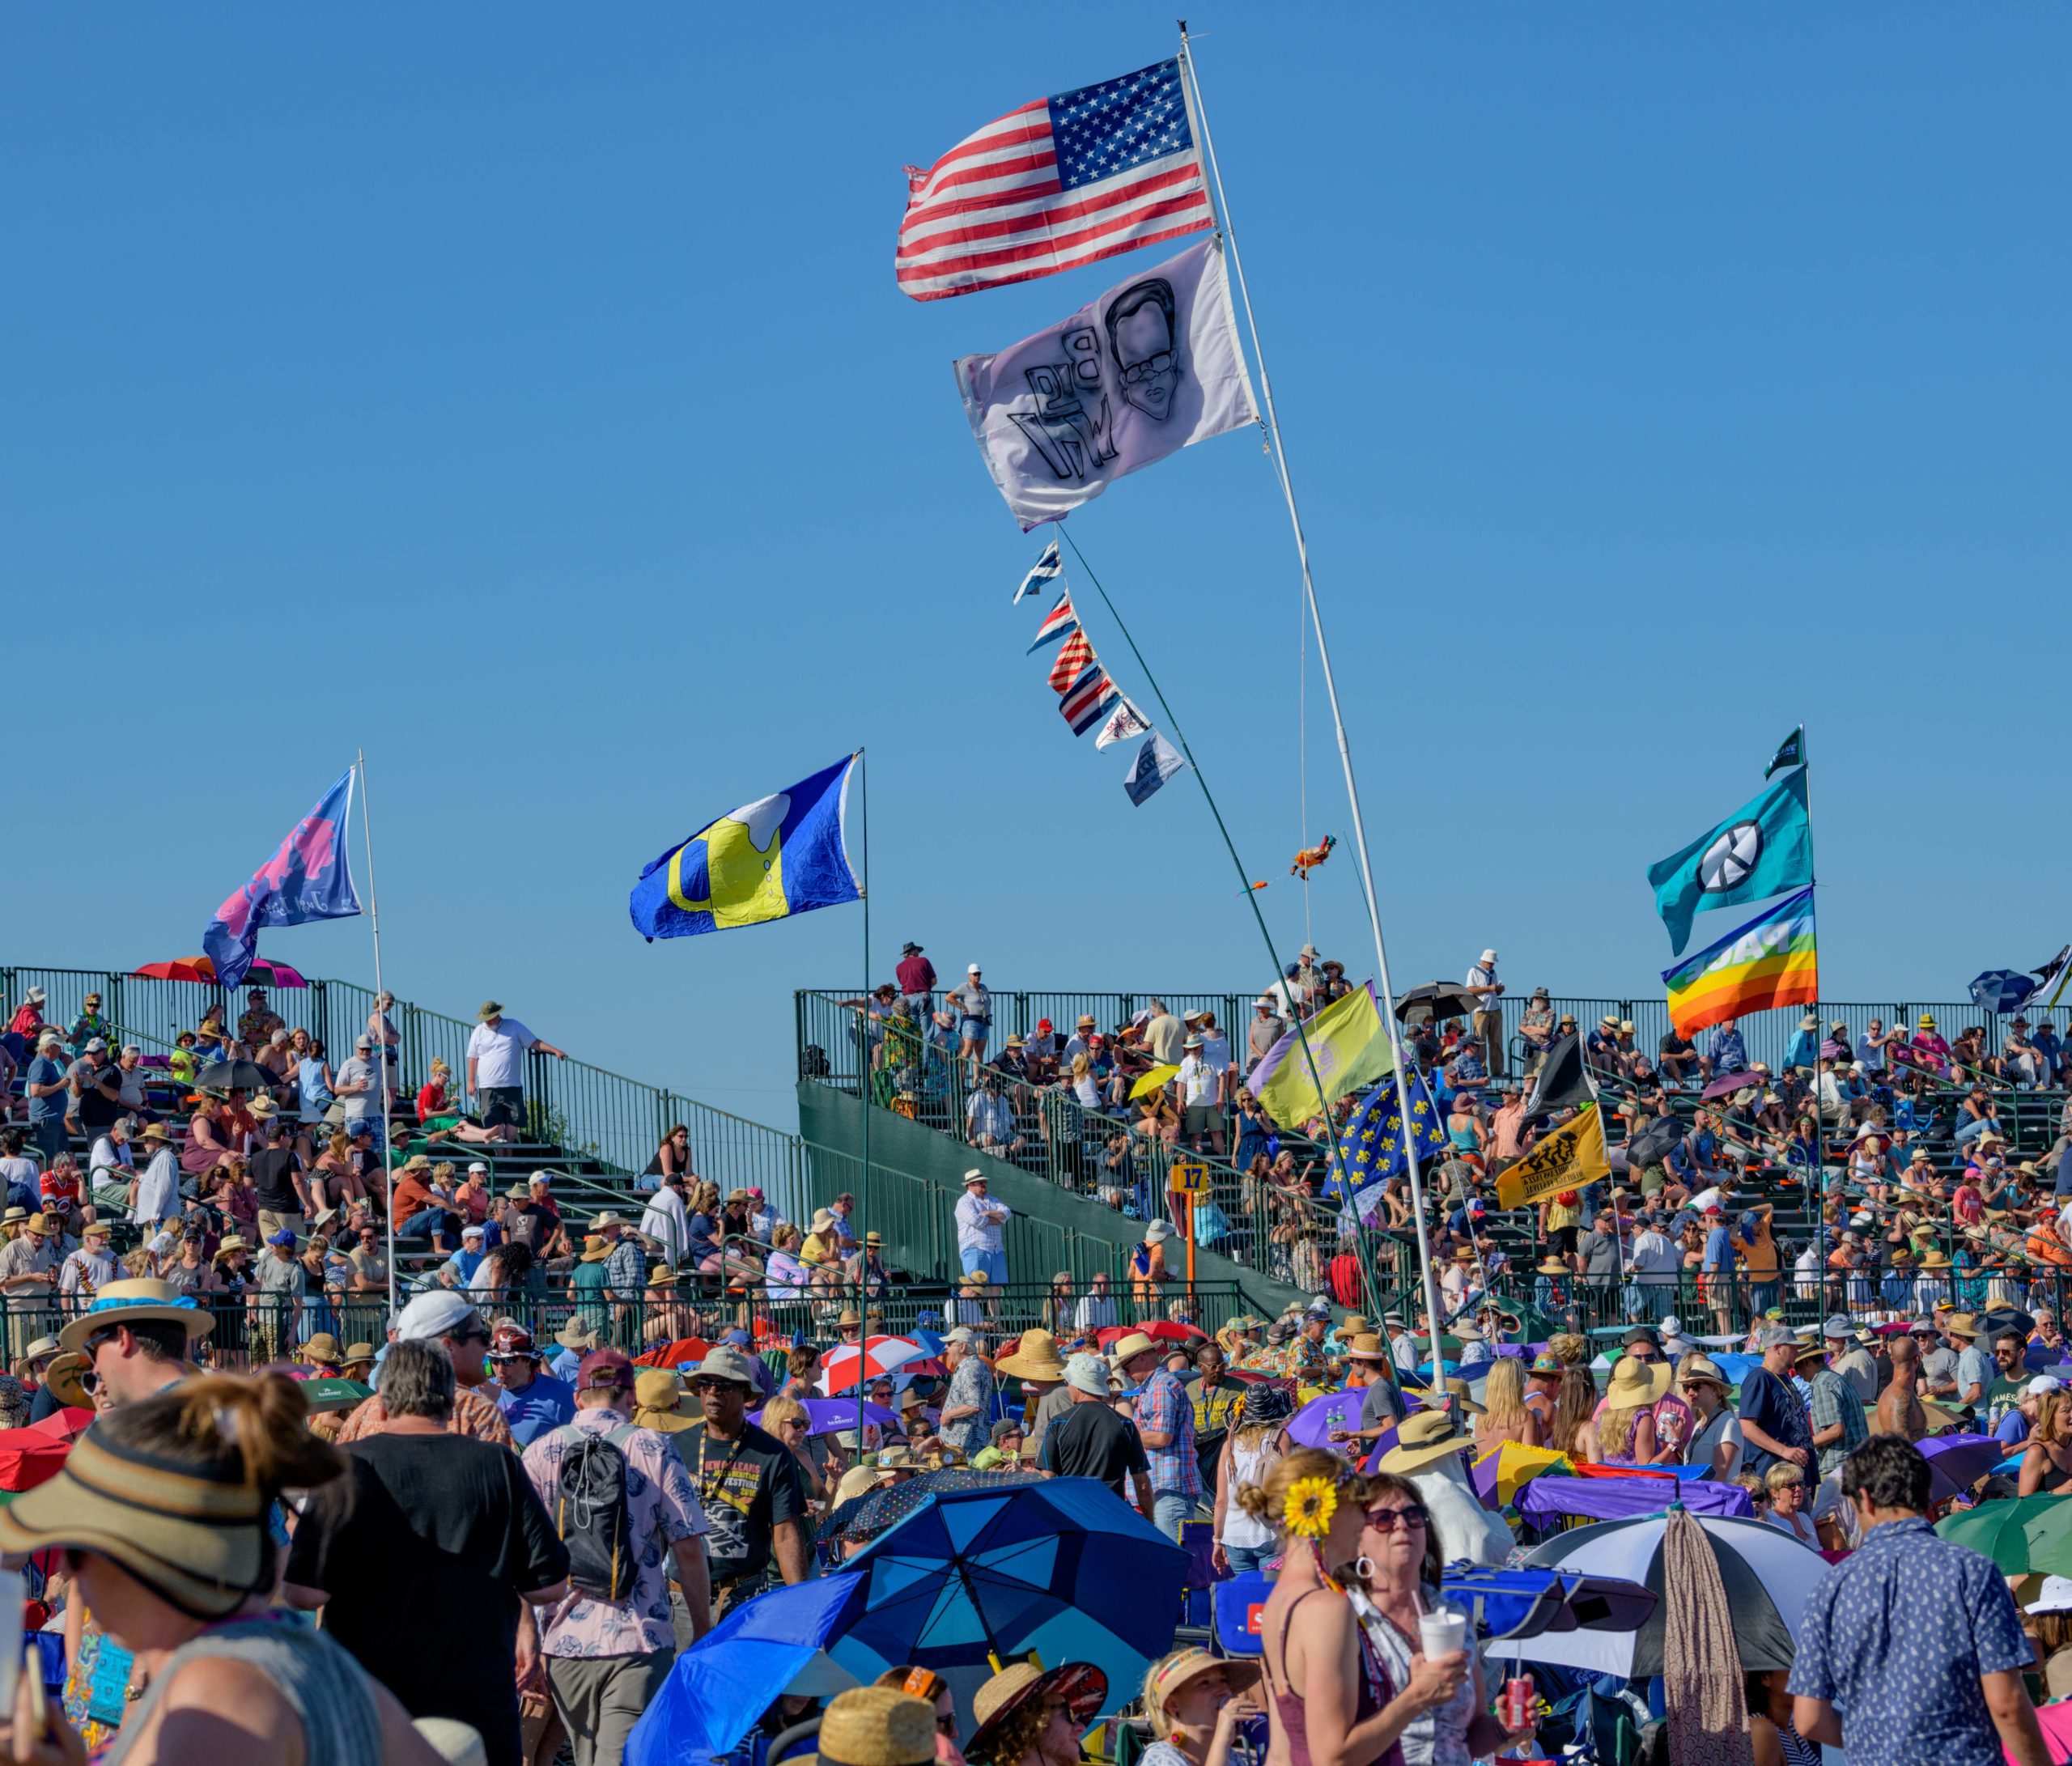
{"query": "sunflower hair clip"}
(1311, 1505)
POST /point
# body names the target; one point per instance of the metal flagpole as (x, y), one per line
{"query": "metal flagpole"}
(381, 1054)
(1817, 1177)
(1192, 87)
(863, 1095)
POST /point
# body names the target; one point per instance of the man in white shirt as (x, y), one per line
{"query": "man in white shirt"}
(155, 1195)
(1201, 1089)
(111, 1161)
(92, 1266)
(1483, 983)
(1403, 1347)
(1656, 1259)
(129, 1075)
(666, 1219)
(354, 1083)
(980, 1219)
(496, 1065)
(1095, 1310)
(989, 1121)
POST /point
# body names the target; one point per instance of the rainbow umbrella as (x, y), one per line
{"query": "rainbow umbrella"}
(1500, 1474)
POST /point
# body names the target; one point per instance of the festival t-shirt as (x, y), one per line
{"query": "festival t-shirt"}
(2002, 1399)
(423, 1524)
(750, 1487)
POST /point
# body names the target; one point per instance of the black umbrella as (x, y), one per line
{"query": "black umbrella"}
(1437, 1000)
(1650, 1145)
(235, 1075)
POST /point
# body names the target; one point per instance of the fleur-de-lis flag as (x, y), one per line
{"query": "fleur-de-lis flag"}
(1372, 1144)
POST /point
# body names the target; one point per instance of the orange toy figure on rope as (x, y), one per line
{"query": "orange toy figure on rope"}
(1310, 857)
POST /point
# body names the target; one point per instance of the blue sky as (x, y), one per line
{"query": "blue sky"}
(528, 399)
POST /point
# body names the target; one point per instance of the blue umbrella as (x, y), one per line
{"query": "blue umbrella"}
(728, 1678)
(2002, 990)
(1064, 1567)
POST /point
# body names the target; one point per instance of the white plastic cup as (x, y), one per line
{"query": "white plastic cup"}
(1445, 1633)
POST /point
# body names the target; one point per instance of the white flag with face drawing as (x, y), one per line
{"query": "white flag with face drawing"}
(1151, 367)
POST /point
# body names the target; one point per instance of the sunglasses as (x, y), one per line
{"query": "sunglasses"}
(1387, 1520)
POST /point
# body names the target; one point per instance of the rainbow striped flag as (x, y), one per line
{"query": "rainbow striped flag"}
(1772, 960)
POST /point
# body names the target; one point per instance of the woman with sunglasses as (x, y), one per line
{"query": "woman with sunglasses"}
(1394, 1581)
(925, 1683)
(1331, 1702)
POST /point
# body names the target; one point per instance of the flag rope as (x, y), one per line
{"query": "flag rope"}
(1316, 1079)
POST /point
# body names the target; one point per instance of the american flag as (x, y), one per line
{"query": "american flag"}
(1063, 181)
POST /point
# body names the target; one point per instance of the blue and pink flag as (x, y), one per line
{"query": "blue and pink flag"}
(307, 879)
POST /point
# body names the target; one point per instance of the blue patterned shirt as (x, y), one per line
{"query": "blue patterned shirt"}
(1834, 1400)
(1163, 1408)
(1897, 1635)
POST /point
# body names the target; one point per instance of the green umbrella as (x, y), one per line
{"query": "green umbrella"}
(335, 1394)
(2028, 1535)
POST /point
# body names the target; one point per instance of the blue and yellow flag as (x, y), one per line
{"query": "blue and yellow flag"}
(1372, 1144)
(782, 855)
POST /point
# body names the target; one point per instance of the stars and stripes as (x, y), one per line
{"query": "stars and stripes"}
(1060, 622)
(1064, 180)
(1075, 657)
(1049, 566)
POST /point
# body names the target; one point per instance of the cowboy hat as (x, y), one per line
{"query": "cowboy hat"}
(1036, 1358)
(1137, 1342)
(232, 1243)
(1367, 1348)
(849, 1316)
(595, 1250)
(1634, 1382)
(321, 1347)
(1082, 1687)
(144, 1301)
(1424, 1439)
(1693, 1368)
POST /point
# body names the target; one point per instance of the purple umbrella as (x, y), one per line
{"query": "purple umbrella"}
(1727, 1083)
(1955, 1462)
(1311, 1426)
(826, 1415)
(1619, 1499)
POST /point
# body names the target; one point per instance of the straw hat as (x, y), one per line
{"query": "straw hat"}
(661, 1275)
(877, 1727)
(197, 1537)
(232, 1243)
(1635, 1383)
(1082, 1687)
(321, 1347)
(1935, 1259)
(1036, 1359)
(1184, 1665)
(656, 1393)
(1137, 1342)
(1424, 1439)
(849, 1316)
(577, 1335)
(63, 1377)
(1456, 1389)
(595, 1250)
(1694, 1368)
(142, 1302)
(977, 1279)
(859, 1481)
(1553, 1266)
(357, 1355)
(1367, 1348)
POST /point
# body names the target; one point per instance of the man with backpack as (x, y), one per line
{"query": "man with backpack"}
(624, 1507)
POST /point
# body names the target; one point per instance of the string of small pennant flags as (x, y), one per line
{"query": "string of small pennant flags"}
(1084, 690)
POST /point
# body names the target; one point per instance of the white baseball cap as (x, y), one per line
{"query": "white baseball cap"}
(2042, 1384)
(971, 969)
(478, 1165)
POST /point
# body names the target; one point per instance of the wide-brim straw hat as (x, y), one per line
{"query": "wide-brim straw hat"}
(200, 1542)
(1186, 1666)
(595, 1250)
(1036, 1359)
(577, 1334)
(143, 1301)
(1553, 1266)
(321, 1347)
(877, 1727)
(1694, 1368)
(62, 1377)
(1083, 1687)
(1424, 1439)
(1128, 1348)
(1635, 1383)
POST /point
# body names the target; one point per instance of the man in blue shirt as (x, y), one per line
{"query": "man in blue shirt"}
(1725, 1052)
(533, 1403)
(48, 1095)
(1910, 1648)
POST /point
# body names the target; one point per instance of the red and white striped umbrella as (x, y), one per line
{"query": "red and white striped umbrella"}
(881, 1355)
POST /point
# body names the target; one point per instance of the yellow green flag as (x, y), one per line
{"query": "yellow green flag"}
(1351, 1048)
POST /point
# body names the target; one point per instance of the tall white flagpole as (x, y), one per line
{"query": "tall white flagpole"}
(381, 1054)
(1200, 117)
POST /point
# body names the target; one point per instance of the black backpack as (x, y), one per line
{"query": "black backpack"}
(590, 1513)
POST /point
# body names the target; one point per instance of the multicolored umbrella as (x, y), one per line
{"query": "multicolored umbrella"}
(1500, 1474)
(2024, 1535)
(838, 1367)
(1766, 1574)
(262, 973)
(1060, 1566)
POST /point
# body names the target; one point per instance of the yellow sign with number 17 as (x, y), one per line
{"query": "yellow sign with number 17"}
(1187, 1177)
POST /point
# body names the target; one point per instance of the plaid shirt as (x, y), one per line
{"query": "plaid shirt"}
(1835, 1401)
(1163, 1408)
(625, 1273)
